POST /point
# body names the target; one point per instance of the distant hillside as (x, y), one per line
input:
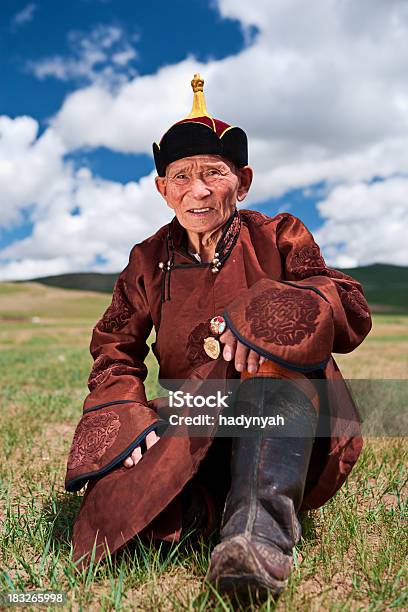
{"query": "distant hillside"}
(385, 286)
(86, 281)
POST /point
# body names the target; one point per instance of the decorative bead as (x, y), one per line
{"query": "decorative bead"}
(214, 270)
(161, 265)
(215, 260)
(216, 254)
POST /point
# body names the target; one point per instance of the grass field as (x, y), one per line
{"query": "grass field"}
(353, 552)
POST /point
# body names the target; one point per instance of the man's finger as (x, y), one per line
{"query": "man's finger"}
(133, 458)
(252, 362)
(136, 455)
(230, 342)
(151, 439)
(227, 336)
(128, 462)
(241, 353)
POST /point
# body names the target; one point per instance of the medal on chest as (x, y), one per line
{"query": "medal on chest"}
(211, 345)
(218, 325)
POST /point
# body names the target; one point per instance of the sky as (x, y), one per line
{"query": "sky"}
(88, 85)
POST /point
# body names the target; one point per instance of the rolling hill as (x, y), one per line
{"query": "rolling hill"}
(385, 285)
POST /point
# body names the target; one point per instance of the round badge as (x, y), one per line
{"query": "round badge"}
(212, 347)
(218, 325)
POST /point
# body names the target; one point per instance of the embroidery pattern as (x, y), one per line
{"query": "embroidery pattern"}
(102, 368)
(119, 312)
(354, 302)
(255, 217)
(283, 317)
(336, 274)
(231, 235)
(195, 345)
(308, 261)
(94, 435)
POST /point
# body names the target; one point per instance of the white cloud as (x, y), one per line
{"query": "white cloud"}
(31, 169)
(112, 217)
(100, 56)
(24, 16)
(123, 57)
(374, 228)
(130, 119)
(318, 81)
(322, 93)
(305, 93)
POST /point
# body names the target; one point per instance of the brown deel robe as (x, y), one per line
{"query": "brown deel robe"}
(278, 297)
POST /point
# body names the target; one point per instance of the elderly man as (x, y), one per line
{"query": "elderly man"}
(232, 294)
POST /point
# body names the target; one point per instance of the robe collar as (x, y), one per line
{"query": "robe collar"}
(177, 240)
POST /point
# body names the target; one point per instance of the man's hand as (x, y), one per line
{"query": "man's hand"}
(136, 455)
(245, 359)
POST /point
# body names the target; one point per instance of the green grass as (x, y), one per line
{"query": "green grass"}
(11, 288)
(352, 553)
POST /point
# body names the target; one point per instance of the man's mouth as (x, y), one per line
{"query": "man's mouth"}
(199, 211)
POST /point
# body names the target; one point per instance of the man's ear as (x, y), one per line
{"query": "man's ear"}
(161, 186)
(160, 182)
(245, 176)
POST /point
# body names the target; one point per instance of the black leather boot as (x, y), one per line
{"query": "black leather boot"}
(260, 526)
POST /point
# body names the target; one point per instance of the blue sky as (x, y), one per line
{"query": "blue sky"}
(164, 32)
(312, 153)
(183, 28)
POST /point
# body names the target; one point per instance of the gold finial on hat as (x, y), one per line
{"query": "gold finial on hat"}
(199, 108)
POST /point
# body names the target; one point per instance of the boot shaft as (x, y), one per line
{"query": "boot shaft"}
(269, 469)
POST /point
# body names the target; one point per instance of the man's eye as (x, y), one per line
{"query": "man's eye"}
(181, 176)
(212, 172)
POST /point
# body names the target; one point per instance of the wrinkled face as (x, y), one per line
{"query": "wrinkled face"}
(203, 190)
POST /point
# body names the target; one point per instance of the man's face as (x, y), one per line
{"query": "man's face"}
(203, 190)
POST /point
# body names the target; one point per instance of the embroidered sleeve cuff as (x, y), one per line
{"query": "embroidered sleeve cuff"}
(285, 322)
(104, 437)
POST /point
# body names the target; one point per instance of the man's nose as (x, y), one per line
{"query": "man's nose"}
(199, 189)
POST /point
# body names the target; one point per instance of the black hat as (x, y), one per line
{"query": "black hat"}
(199, 134)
